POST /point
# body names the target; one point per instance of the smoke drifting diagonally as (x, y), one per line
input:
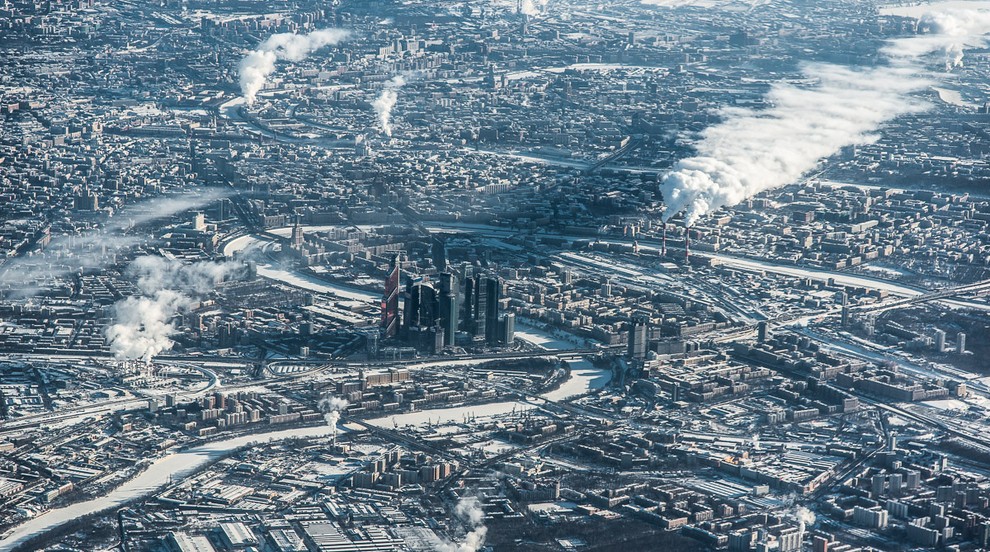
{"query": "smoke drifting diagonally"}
(469, 511)
(142, 325)
(96, 248)
(162, 207)
(257, 65)
(756, 150)
(386, 103)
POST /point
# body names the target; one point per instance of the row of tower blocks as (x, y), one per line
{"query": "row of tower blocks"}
(433, 315)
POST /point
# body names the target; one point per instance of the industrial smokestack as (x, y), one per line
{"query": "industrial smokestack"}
(805, 518)
(531, 8)
(663, 240)
(331, 407)
(687, 246)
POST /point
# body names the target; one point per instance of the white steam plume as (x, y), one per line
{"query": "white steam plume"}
(162, 207)
(469, 511)
(142, 325)
(331, 408)
(257, 65)
(531, 7)
(948, 32)
(97, 247)
(805, 517)
(756, 150)
(385, 102)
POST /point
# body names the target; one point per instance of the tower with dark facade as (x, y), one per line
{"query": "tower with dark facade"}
(448, 307)
(479, 319)
(638, 344)
(390, 300)
(439, 251)
(422, 325)
(298, 239)
(493, 293)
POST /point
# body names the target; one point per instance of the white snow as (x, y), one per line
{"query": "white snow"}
(176, 465)
(918, 9)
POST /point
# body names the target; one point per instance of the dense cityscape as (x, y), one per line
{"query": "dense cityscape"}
(367, 275)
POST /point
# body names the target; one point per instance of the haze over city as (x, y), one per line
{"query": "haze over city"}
(494, 275)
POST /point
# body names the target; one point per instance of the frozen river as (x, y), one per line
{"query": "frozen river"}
(294, 278)
(175, 466)
(583, 378)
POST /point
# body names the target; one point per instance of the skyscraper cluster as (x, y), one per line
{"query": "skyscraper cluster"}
(432, 313)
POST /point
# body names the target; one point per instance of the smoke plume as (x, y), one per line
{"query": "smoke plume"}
(97, 247)
(143, 325)
(331, 408)
(804, 517)
(257, 65)
(469, 511)
(751, 150)
(947, 32)
(531, 7)
(162, 207)
(386, 102)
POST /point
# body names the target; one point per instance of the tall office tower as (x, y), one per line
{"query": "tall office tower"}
(435, 339)
(412, 306)
(421, 311)
(429, 305)
(440, 253)
(481, 304)
(390, 301)
(494, 293)
(470, 296)
(940, 341)
(507, 328)
(448, 307)
(960, 343)
(637, 338)
(844, 300)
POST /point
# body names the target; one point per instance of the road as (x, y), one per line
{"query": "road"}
(652, 247)
(134, 402)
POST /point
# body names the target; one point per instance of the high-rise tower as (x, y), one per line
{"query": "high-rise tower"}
(494, 293)
(390, 301)
(448, 307)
